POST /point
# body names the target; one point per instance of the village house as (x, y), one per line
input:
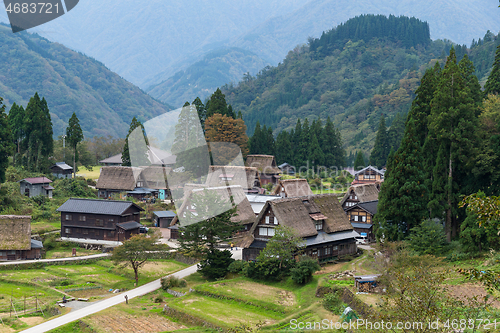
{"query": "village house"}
(62, 170)
(368, 175)
(156, 157)
(318, 219)
(291, 188)
(15, 239)
(258, 201)
(244, 212)
(163, 218)
(246, 177)
(358, 194)
(31, 187)
(287, 168)
(107, 221)
(361, 217)
(269, 173)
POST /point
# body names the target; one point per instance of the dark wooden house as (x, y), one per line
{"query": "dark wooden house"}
(368, 175)
(104, 220)
(62, 170)
(361, 217)
(318, 219)
(358, 194)
(268, 170)
(31, 187)
(291, 188)
(287, 169)
(15, 239)
(163, 218)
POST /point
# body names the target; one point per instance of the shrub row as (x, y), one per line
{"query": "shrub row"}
(41, 264)
(189, 319)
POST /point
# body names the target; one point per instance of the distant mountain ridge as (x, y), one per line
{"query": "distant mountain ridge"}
(104, 102)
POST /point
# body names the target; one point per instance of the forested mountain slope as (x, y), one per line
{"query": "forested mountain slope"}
(369, 66)
(104, 102)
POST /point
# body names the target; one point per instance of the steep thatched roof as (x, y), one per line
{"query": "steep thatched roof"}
(154, 177)
(293, 188)
(266, 164)
(244, 211)
(15, 232)
(364, 192)
(239, 175)
(299, 214)
(118, 178)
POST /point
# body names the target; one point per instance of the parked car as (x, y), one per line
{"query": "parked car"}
(361, 240)
(143, 230)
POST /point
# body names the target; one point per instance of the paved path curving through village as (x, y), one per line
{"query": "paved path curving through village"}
(106, 303)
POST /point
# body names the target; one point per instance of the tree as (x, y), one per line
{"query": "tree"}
(74, 136)
(221, 128)
(209, 225)
(16, 122)
(396, 132)
(39, 143)
(217, 104)
(492, 85)
(331, 143)
(202, 111)
(359, 162)
(134, 146)
(283, 246)
(380, 151)
(136, 251)
(428, 238)
(216, 263)
(6, 145)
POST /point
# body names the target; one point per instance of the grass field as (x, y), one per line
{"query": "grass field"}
(89, 174)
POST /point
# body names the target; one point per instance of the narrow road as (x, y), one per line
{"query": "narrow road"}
(106, 303)
(17, 262)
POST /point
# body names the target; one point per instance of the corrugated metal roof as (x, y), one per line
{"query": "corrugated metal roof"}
(116, 159)
(323, 237)
(361, 225)
(62, 165)
(129, 225)
(96, 206)
(164, 213)
(37, 180)
(35, 244)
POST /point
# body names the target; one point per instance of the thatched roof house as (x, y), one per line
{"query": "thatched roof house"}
(266, 164)
(117, 179)
(15, 238)
(290, 188)
(246, 177)
(370, 174)
(359, 193)
(319, 219)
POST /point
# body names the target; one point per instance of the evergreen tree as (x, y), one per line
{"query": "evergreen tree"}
(217, 104)
(331, 143)
(296, 138)
(74, 136)
(16, 122)
(396, 132)
(38, 128)
(403, 195)
(6, 145)
(492, 85)
(315, 156)
(303, 146)
(380, 150)
(359, 162)
(255, 141)
(284, 148)
(136, 146)
(202, 111)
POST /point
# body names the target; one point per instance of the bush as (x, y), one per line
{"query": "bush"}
(266, 270)
(215, 265)
(182, 283)
(170, 282)
(158, 299)
(303, 271)
(428, 238)
(237, 266)
(333, 301)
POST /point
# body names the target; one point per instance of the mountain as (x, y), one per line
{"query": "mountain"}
(354, 73)
(104, 102)
(203, 77)
(147, 42)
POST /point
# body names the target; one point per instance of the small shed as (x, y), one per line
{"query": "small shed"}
(163, 219)
(61, 170)
(31, 187)
(366, 283)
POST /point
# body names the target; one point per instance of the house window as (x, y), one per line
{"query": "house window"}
(111, 233)
(139, 184)
(111, 220)
(99, 222)
(266, 232)
(85, 231)
(267, 219)
(82, 218)
(270, 232)
(355, 197)
(69, 217)
(363, 218)
(67, 230)
(335, 248)
(319, 225)
(226, 178)
(328, 251)
(356, 218)
(275, 220)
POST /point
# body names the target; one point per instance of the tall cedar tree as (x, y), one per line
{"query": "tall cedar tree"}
(221, 128)
(6, 145)
(403, 195)
(142, 156)
(492, 85)
(38, 128)
(380, 151)
(331, 143)
(452, 127)
(359, 162)
(16, 122)
(396, 132)
(255, 142)
(74, 136)
(217, 104)
(202, 111)
(284, 148)
(262, 141)
(303, 146)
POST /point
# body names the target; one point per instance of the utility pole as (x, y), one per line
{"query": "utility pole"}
(64, 147)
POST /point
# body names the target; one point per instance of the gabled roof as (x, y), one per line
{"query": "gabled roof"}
(154, 176)
(164, 213)
(129, 225)
(364, 192)
(115, 159)
(244, 212)
(293, 188)
(242, 176)
(15, 232)
(35, 244)
(323, 237)
(97, 206)
(369, 168)
(36, 180)
(266, 164)
(298, 214)
(361, 225)
(118, 178)
(62, 166)
(368, 206)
